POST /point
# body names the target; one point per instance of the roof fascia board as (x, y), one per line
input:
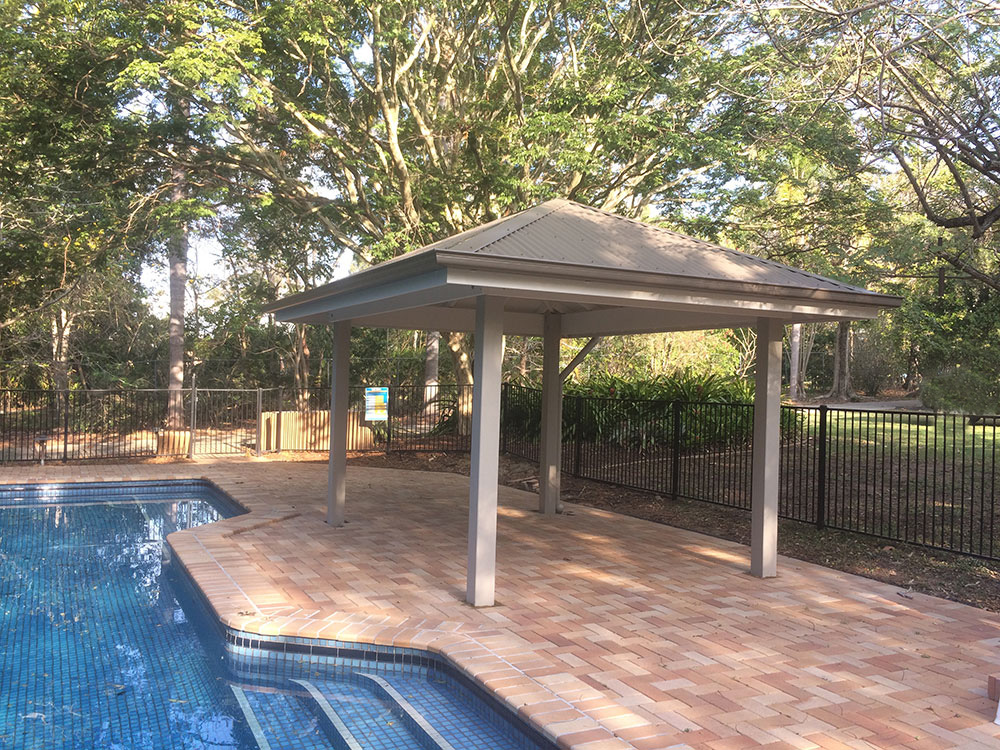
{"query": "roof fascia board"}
(616, 295)
(461, 261)
(404, 267)
(395, 294)
(625, 321)
(436, 318)
(602, 323)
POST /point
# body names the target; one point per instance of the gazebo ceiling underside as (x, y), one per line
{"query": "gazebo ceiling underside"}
(603, 274)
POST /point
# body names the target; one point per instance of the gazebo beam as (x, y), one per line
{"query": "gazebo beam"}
(336, 493)
(550, 450)
(488, 356)
(766, 447)
(578, 359)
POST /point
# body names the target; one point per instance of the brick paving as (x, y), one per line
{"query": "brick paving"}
(609, 632)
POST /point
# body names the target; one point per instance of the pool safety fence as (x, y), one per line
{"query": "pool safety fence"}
(39, 425)
(911, 476)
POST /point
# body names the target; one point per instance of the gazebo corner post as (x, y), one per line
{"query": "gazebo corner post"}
(550, 449)
(483, 480)
(766, 447)
(336, 493)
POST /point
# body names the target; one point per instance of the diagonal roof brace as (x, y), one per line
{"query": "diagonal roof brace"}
(581, 355)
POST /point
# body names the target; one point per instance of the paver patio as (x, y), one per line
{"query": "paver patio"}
(609, 631)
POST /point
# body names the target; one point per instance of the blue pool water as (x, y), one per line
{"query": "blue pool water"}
(105, 645)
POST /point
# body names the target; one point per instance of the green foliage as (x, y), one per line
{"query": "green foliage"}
(687, 387)
(67, 171)
(962, 390)
(877, 358)
(308, 130)
(640, 414)
(620, 414)
(957, 337)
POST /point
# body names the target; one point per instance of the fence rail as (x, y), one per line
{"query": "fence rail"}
(917, 477)
(97, 424)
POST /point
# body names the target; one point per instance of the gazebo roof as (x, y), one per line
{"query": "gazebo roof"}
(604, 273)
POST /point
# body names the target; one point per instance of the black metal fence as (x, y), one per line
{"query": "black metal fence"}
(927, 479)
(917, 477)
(95, 424)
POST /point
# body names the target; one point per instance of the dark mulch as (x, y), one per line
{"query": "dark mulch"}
(956, 577)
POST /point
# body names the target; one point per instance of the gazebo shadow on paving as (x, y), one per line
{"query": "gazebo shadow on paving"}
(564, 270)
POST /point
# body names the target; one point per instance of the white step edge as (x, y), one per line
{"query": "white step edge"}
(410, 711)
(327, 709)
(251, 717)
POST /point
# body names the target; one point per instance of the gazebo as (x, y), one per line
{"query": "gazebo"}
(565, 270)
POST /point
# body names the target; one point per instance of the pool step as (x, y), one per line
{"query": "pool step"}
(251, 718)
(279, 719)
(339, 727)
(411, 715)
(352, 714)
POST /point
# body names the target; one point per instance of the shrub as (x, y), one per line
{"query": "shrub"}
(639, 415)
(963, 390)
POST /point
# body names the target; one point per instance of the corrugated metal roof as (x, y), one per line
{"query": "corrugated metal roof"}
(567, 232)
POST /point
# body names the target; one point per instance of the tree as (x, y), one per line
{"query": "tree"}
(67, 166)
(395, 124)
(920, 83)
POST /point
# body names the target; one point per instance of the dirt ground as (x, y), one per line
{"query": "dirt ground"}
(957, 577)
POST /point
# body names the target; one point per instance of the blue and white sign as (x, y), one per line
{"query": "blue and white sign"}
(377, 404)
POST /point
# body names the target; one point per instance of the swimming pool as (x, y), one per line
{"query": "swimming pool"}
(105, 644)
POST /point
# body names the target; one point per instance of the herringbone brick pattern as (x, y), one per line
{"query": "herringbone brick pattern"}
(609, 632)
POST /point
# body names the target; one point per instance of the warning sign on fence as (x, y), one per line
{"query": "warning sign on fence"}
(376, 404)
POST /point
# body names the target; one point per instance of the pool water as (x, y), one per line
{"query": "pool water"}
(105, 645)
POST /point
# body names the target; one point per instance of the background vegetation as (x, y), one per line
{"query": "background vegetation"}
(289, 139)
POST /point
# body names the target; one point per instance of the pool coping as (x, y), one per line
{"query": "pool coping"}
(457, 644)
(474, 651)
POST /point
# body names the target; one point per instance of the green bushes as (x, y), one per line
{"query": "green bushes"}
(699, 412)
(686, 387)
(962, 390)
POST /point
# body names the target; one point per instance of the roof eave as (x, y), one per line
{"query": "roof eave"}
(562, 269)
(397, 268)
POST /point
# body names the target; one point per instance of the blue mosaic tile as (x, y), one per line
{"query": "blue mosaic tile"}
(105, 646)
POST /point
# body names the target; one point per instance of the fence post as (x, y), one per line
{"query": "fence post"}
(578, 446)
(194, 415)
(821, 469)
(675, 451)
(260, 413)
(388, 420)
(504, 395)
(66, 426)
(281, 409)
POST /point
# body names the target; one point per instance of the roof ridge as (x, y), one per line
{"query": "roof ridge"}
(730, 250)
(527, 224)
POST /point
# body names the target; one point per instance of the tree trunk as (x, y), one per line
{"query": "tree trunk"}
(62, 325)
(300, 371)
(841, 390)
(459, 349)
(177, 251)
(794, 355)
(805, 353)
(432, 361)
(912, 368)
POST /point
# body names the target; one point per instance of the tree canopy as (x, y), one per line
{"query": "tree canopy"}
(856, 139)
